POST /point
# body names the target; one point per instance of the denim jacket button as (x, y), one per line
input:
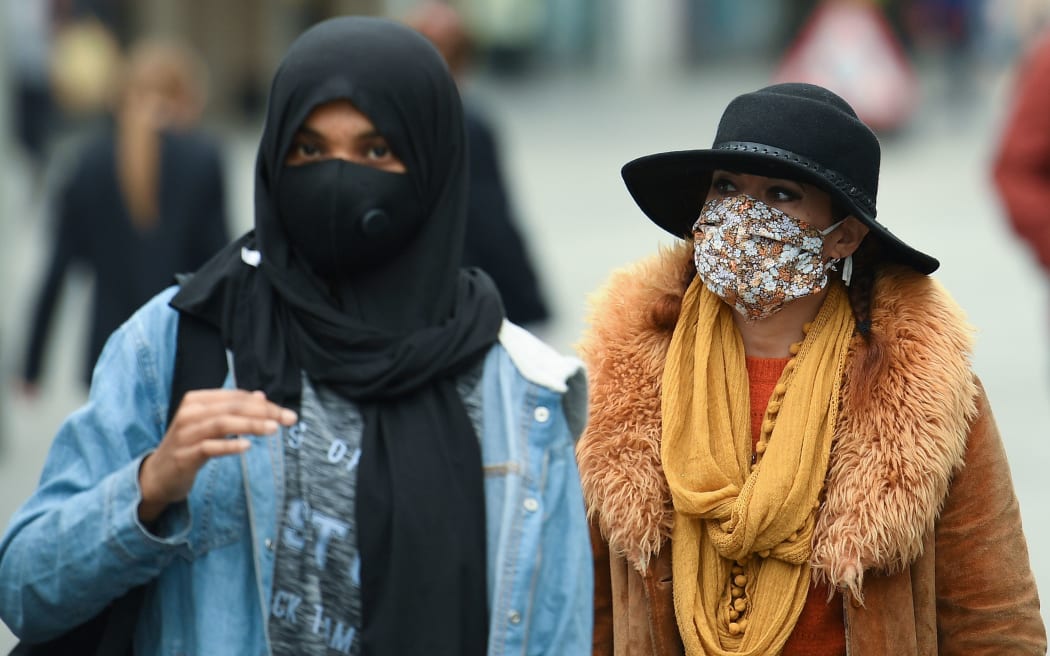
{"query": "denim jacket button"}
(542, 414)
(269, 544)
(531, 504)
(514, 617)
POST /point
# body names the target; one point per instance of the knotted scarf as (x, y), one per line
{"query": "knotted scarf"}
(728, 513)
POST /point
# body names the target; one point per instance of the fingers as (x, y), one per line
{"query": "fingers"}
(216, 426)
(215, 448)
(206, 418)
(208, 414)
(239, 402)
(198, 432)
(184, 462)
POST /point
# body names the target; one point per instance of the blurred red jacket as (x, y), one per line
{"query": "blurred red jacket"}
(1022, 163)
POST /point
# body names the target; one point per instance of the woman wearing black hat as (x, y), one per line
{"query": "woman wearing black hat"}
(788, 452)
(404, 482)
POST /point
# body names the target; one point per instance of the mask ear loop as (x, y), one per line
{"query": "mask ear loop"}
(847, 270)
(847, 264)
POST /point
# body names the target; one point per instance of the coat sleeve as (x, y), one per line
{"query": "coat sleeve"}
(986, 595)
(77, 543)
(1022, 163)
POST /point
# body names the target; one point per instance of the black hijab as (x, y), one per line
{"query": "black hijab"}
(391, 339)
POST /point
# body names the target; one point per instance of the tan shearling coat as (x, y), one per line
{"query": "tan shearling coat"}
(920, 527)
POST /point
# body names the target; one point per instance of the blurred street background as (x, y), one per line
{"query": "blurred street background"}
(573, 89)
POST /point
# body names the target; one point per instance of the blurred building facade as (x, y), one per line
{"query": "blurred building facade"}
(242, 40)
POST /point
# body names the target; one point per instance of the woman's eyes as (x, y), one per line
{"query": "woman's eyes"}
(378, 151)
(307, 149)
(783, 194)
(772, 194)
(313, 150)
(723, 186)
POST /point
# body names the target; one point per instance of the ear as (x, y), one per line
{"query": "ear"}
(844, 240)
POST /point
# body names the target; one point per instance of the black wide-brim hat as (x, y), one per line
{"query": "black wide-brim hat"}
(793, 130)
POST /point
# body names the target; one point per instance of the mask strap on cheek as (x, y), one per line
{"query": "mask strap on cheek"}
(831, 228)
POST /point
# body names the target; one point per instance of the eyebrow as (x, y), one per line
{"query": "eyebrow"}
(306, 130)
(771, 177)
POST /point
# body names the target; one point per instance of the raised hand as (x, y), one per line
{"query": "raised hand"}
(204, 427)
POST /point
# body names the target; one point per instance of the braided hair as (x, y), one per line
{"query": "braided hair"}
(866, 261)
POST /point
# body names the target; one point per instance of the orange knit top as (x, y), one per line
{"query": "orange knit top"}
(821, 630)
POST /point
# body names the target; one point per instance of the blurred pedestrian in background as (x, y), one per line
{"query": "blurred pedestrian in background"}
(788, 451)
(404, 478)
(1021, 169)
(849, 47)
(144, 200)
(494, 242)
(30, 33)
(951, 28)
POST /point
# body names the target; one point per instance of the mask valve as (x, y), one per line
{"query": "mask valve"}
(375, 222)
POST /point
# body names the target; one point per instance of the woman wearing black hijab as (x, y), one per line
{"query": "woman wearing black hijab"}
(420, 494)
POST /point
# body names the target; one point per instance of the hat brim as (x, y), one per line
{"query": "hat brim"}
(670, 188)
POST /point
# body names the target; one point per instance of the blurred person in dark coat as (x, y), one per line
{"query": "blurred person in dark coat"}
(144, 200)
(494, 242)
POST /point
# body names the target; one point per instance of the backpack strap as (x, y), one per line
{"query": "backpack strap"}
(118, 630)
(200, 360)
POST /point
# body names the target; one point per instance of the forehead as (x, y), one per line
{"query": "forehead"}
(760, 177)
(338, 118)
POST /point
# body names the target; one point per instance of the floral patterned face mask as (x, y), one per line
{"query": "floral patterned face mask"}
(757, 258)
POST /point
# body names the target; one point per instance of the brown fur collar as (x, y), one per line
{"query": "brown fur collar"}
(897, 444)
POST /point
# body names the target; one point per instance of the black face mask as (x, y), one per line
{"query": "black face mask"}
(343, 218)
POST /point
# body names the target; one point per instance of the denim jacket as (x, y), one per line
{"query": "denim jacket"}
(77, 543)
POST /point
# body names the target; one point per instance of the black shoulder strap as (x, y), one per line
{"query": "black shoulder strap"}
(119, 629)
(200, 360)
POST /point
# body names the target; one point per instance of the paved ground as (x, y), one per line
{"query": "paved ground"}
(565, 140)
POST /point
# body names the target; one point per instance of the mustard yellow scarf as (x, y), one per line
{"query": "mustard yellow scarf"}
(741, 537)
